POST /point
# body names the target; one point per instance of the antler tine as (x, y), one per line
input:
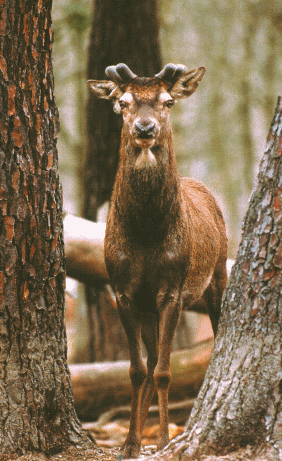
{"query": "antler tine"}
(125, 73)
(167, 72)
(171, 72)
(120, 73)
(112, 74)
(180, 69)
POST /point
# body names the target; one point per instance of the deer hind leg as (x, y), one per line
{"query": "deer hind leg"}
(213, 295)
(169, 316)
(138, 373)
(150, 338)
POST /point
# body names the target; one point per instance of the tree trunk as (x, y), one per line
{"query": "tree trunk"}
(238, 410)
(37, 412)
(122, 32)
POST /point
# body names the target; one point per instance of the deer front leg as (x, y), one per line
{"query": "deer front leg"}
(169, 316)
(138, 372)
(150, 339)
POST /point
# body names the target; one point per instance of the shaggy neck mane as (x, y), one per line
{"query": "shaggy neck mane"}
(147, 197)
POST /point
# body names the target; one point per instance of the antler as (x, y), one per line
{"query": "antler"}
(120, 73)
(171, 72)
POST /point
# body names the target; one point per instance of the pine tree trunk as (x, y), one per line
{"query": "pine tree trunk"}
(122, 32)
(36, 400)
(238, 410)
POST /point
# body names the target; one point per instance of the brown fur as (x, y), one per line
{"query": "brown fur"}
(165, 242)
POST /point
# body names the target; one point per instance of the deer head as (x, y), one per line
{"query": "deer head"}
(145, 102)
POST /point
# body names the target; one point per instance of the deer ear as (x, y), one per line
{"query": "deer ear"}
(105, 89)
(187, 83)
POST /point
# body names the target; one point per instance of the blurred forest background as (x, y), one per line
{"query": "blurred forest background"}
(220, 131)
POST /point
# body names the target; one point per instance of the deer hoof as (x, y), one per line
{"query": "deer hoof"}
(162, 442)
(131, 450)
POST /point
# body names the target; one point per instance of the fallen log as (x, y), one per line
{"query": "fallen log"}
(178, 412)
(98, 387)
(84, 249)
(111, 428)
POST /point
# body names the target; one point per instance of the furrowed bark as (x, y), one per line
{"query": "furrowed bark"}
(36, 400)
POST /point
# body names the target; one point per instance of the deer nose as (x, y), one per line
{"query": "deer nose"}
(145, 129)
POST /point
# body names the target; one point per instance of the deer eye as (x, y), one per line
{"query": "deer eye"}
(122, 104)
(170, 103)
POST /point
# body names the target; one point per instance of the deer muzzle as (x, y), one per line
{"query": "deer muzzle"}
(145, 129)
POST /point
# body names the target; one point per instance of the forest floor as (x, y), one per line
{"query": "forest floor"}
(82, 454)
(113, 434)
(109, 440)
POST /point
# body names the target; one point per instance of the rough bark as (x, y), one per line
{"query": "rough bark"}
(122, 32)
(36, 400)
(238, 410)
(188, 369)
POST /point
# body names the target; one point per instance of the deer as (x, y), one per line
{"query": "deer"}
(165, 238)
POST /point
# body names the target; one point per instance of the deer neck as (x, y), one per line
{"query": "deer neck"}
(146, 189)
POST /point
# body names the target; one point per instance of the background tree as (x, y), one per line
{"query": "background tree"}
(238, 410)
(36, 399)
(127, 32)
(72, 21)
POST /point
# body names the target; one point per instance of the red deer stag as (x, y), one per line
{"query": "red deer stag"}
(165, 239)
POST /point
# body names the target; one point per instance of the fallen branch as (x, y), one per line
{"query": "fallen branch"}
(178, 412)
(98, 387)
(84, 249)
